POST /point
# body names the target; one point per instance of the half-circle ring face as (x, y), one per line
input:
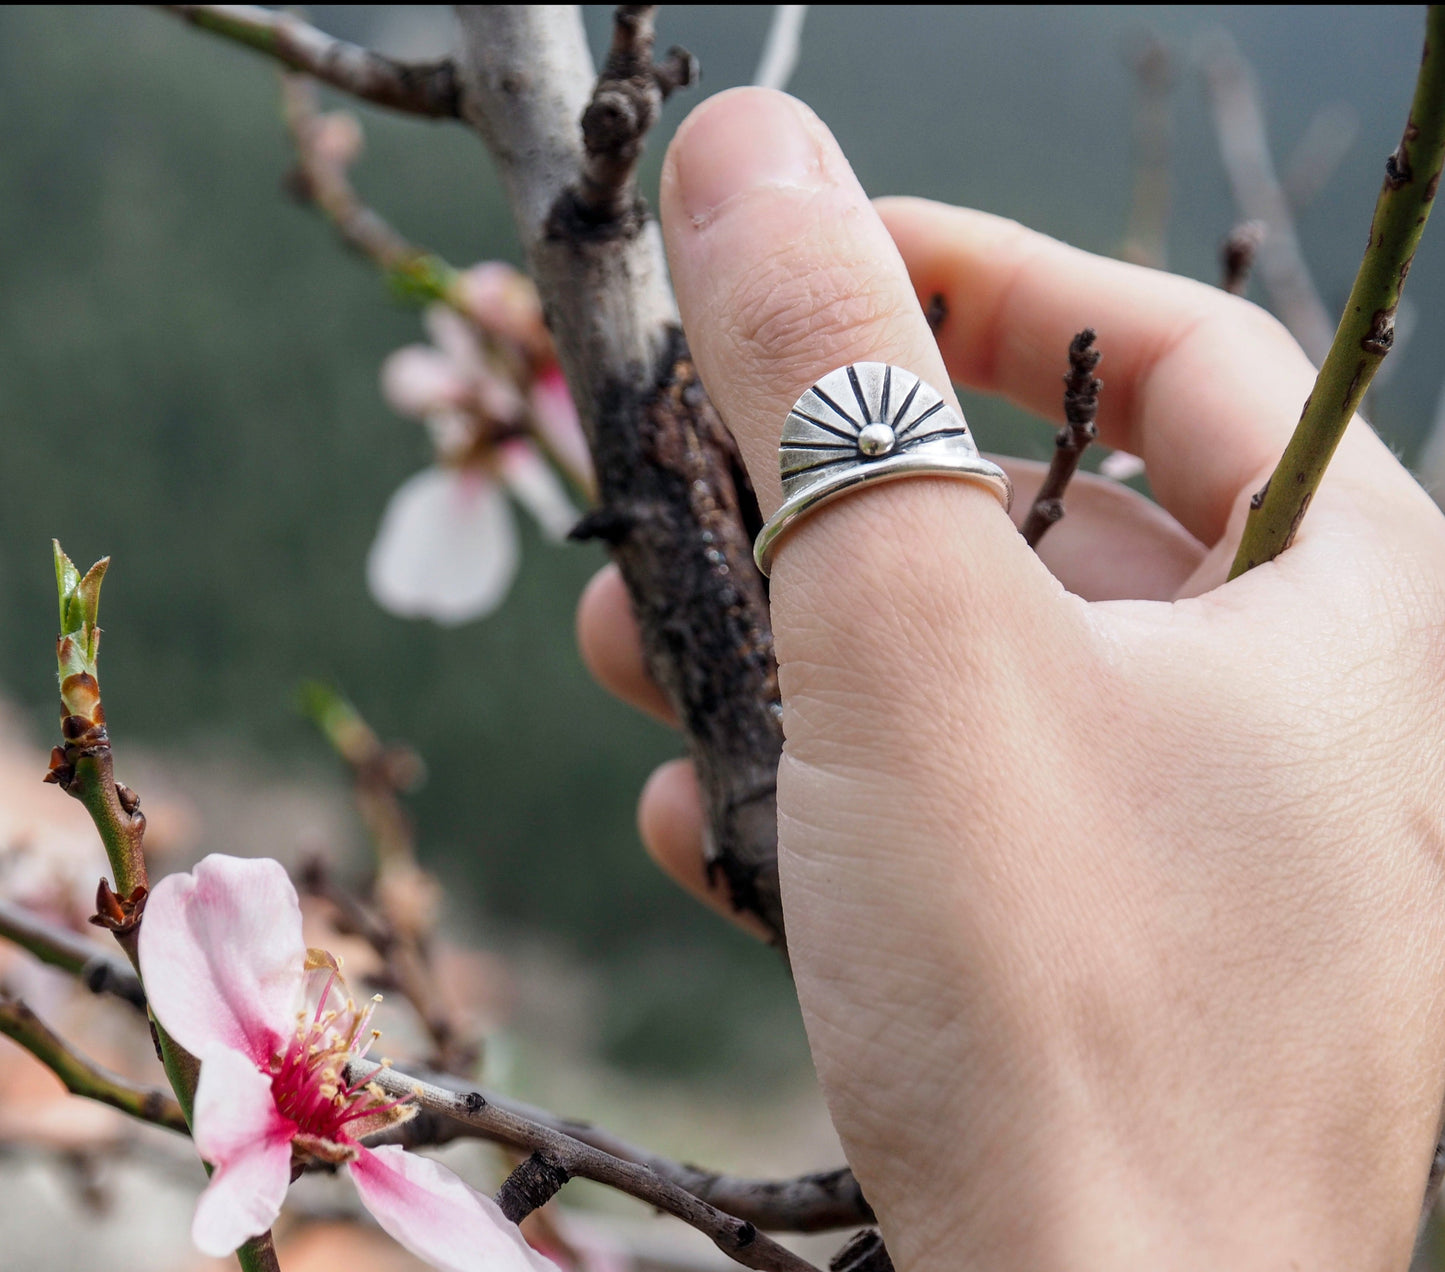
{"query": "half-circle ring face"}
(869, 421)
(866, 411)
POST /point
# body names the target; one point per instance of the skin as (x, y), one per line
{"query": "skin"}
(1114, 891)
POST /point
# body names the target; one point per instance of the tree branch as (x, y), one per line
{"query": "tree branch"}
(1244, 148)
(675, 505)
(71, 952)
(84, 1077)
(1081, 405)
(563, 1153)
(1367, 328)
(420, 88)
(817, 1202)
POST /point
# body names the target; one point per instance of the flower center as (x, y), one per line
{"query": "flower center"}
(308, 1079)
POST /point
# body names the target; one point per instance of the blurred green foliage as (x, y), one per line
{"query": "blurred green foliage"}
(188, 381)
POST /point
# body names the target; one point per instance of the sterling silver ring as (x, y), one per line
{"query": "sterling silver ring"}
(865, 422)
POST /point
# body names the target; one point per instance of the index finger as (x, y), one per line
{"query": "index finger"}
(1205, 386)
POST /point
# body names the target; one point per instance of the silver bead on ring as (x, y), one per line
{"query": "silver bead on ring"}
(869, 422)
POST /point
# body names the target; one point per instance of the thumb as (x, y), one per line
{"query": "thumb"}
(784, 273)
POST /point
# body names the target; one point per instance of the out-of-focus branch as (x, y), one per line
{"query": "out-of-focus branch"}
(320, 178)
(1081, 405)
(418, 88)
(675, 505)
(83, 1077)
(1244, 148)
(1236, 256)
(567, 1157)
(1145, 240)
(817, 1202)
(1316, 156)
(399, 923)
(59, 947)
(781, 46)
(1367, 328)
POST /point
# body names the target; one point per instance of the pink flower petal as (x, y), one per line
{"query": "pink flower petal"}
(239, 1131)
(222, 956)
(457, 339)
(555, 416)
(504, 302)
(532, 483)
(439, 1218)
(446, 549)
(234, 1107)
(417, 380)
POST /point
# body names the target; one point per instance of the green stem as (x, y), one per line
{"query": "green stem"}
(258, 1255)
(1367, 328)
(83, 1077)
(122, 833)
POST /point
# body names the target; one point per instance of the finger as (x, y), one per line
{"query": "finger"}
(670, 821)
(784, 272)
(611, 646)
(1204, 386)
(1113, 544)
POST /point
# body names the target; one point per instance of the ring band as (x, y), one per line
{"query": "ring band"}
(869, 421)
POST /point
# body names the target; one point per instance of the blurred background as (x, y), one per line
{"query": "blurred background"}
(189, 382)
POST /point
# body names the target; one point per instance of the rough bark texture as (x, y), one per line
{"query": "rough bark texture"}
(675, 507)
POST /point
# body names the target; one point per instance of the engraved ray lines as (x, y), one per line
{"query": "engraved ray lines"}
(826, 445)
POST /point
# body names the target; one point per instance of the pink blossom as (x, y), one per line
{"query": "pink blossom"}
(229, 977)
(504, 302)
(447, 546)
(555, 416)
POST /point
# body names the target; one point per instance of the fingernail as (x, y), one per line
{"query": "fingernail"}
(741, 141)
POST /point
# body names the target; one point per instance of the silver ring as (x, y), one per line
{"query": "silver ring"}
(869, 422)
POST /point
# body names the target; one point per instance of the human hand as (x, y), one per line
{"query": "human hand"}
(1113, 891)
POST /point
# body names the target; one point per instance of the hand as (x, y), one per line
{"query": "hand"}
(1114, 892)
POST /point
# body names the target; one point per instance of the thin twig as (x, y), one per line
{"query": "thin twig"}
(418, 88)
(84, 1077)
(1236, 256)
(781, 46)
(399, 922)
(321, 179)
(1244, 148)
(1367, 329)
(59, 947)
(625, 104)
(1081, 405)
(818, 1202)
(735, 1237)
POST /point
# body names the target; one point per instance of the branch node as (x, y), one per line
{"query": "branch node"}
(625, 104)
(530, 1187)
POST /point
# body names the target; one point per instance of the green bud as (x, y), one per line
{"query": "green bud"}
(78, 646)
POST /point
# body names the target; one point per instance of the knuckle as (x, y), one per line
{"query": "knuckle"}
(784, 323)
